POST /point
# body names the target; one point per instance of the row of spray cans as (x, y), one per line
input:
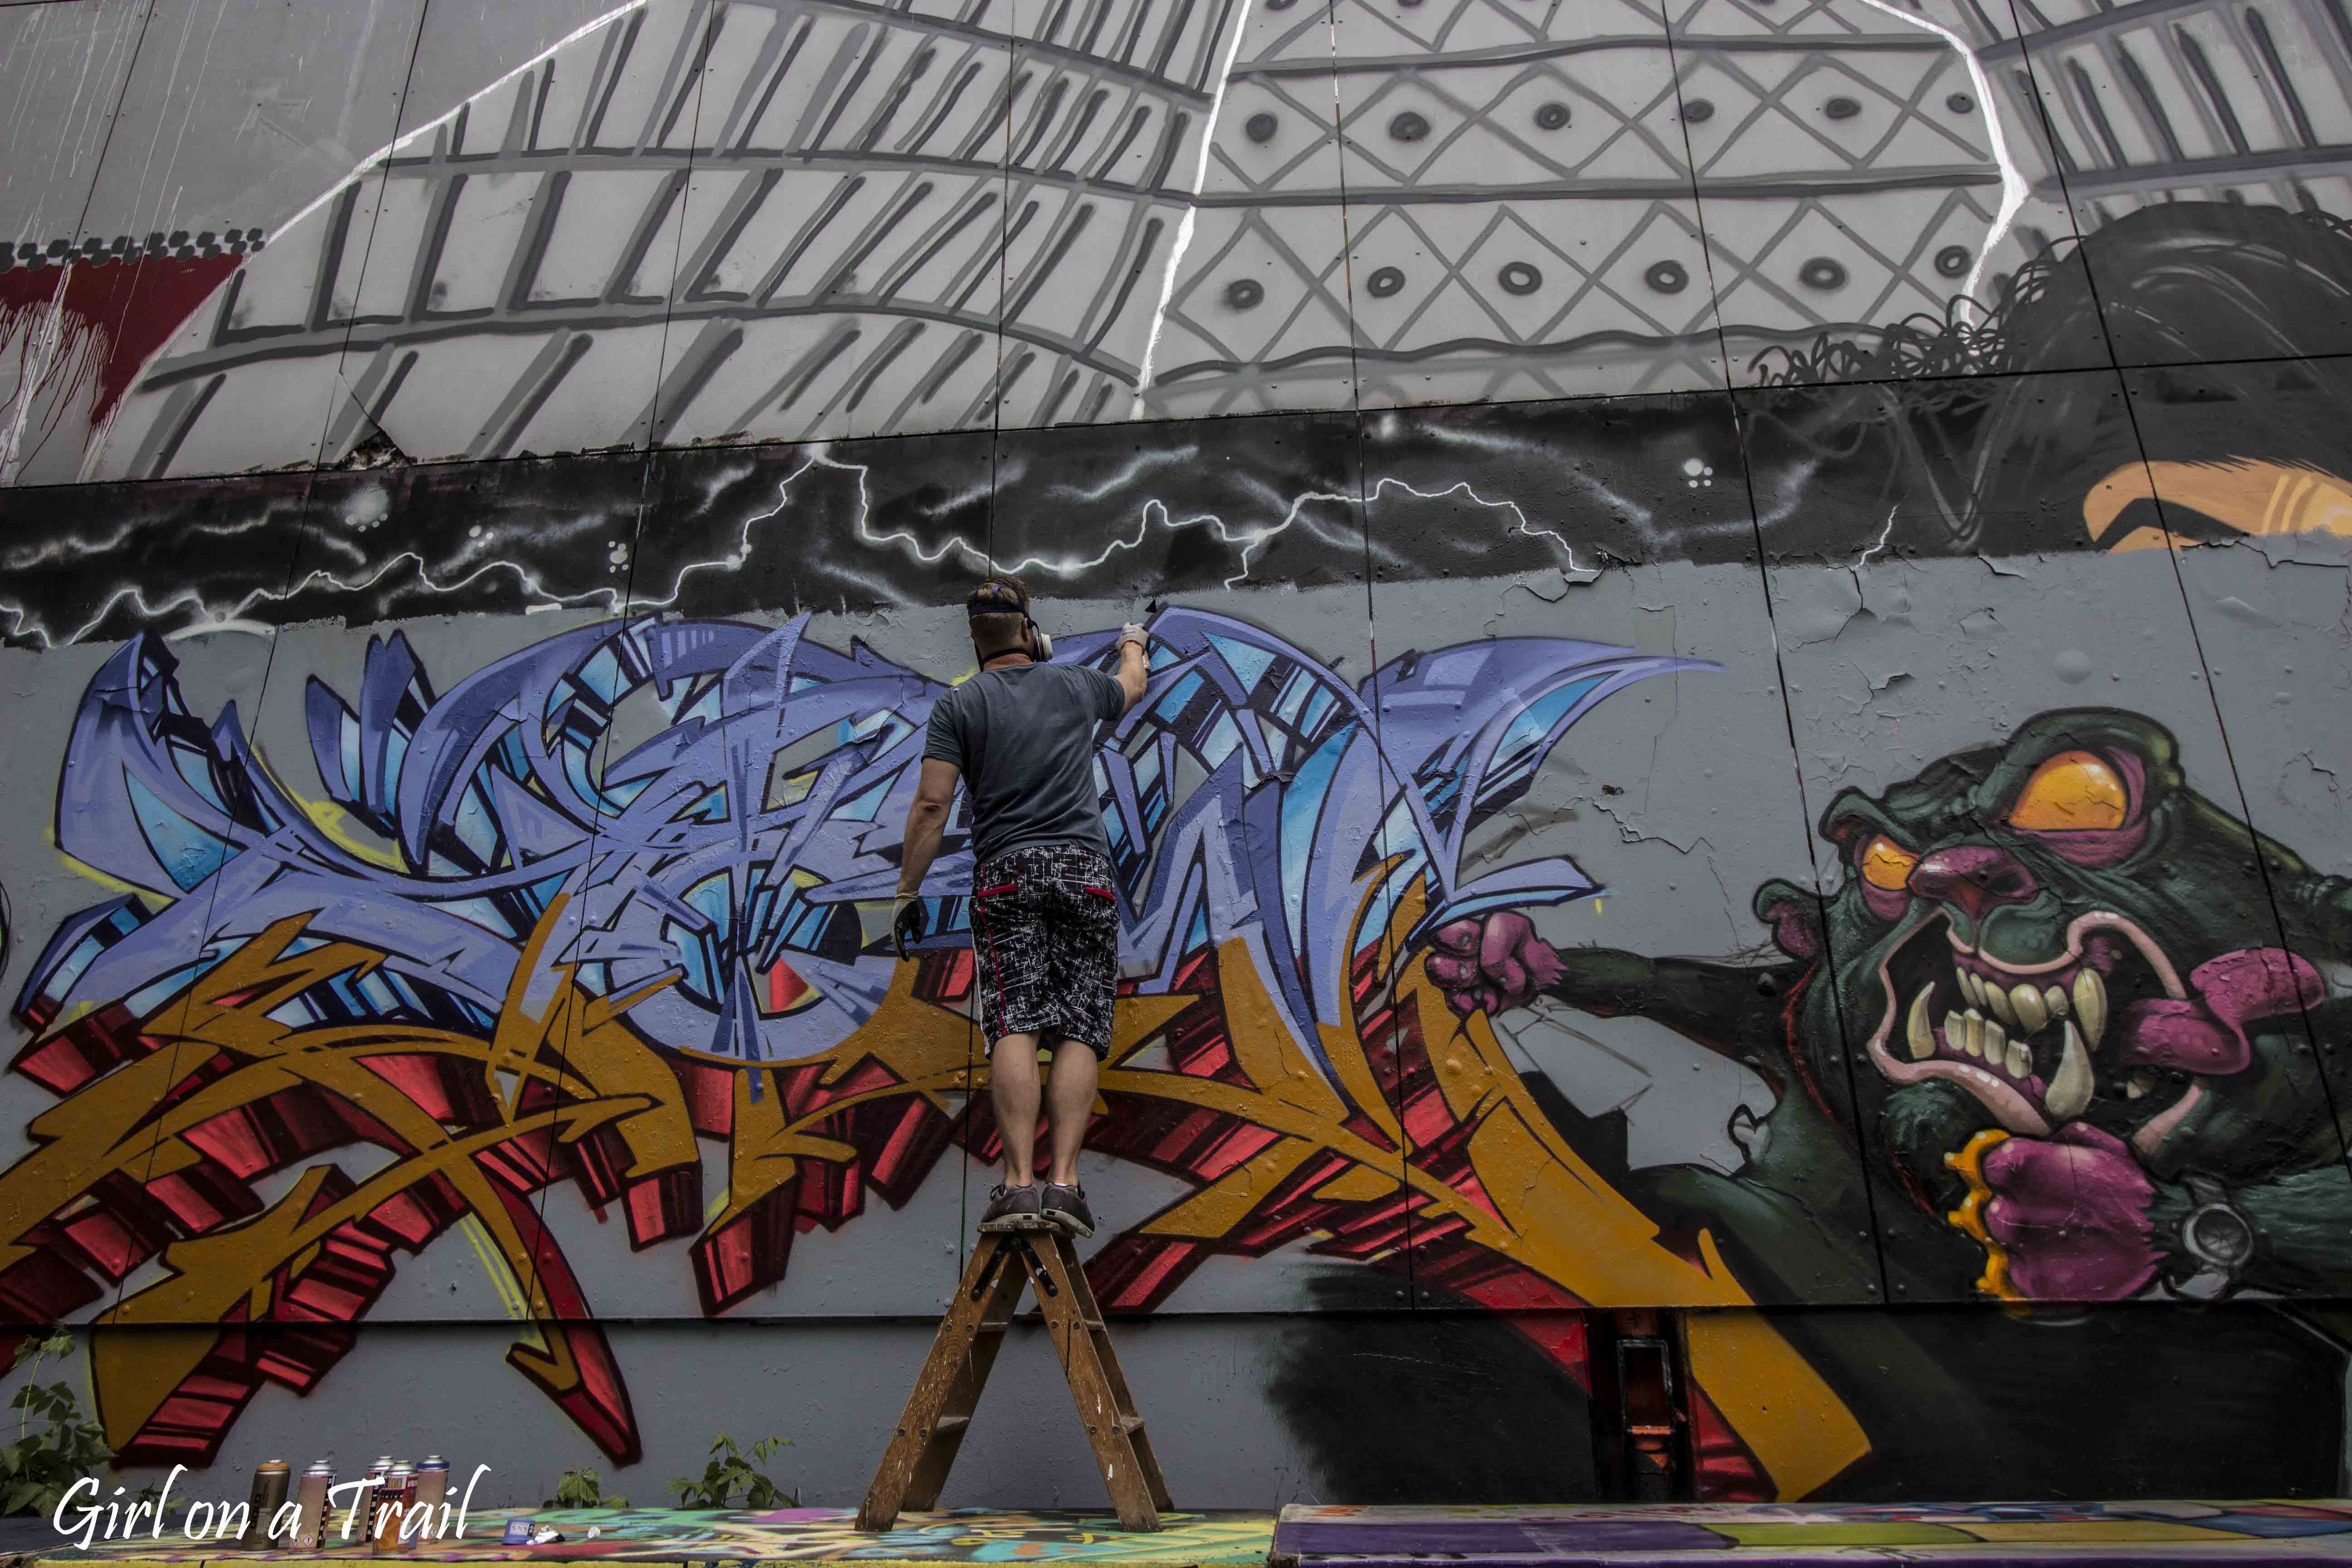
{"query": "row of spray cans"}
(396, 1505)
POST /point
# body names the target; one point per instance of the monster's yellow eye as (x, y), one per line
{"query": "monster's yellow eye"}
(1886, 864)
(2072, 792)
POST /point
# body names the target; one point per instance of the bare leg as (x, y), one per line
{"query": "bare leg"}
(1013, 1087)
(1070, 1098)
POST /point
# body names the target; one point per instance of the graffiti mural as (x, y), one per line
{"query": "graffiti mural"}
(1740, 718)
(2060, 963)
(1954, 441)
(676, 222)
(513, 953)
(512, 959)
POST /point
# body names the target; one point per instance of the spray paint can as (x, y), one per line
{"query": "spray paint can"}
(432, 1484)
(269, 1479)
(311, 1497)
(362, 1519)
(391, 1502)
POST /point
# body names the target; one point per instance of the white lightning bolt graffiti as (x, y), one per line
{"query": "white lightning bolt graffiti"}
(1183, 240)
(1153, 515)
(1883, 535)
(2013, 184)
(21, 623)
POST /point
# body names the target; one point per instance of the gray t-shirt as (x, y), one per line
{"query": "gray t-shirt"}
(1025, 739)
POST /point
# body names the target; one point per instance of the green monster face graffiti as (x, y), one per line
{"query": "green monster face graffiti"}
(2081, 1000)
(2064, 930)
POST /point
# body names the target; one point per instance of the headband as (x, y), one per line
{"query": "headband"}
(984, 601)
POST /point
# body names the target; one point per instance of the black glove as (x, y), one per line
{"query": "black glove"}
(905, 921)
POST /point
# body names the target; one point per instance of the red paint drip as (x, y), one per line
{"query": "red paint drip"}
(91, 325)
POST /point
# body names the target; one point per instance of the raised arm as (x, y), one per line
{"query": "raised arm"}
(1133, 668)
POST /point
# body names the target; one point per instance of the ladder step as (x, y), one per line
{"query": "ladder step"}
(1130, 1423)
(950, 1423)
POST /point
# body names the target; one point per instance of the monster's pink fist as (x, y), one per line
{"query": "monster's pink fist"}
(2072, 1210)
(1492, 964)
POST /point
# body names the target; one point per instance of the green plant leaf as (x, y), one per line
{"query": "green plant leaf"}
(38, 1466)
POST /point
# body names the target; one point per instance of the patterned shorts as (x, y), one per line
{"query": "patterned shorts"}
(1044, 931)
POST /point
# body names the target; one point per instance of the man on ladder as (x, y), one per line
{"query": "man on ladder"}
(1044, 930)
(1044, 912)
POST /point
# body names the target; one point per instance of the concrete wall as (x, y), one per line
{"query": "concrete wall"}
(1682, 544)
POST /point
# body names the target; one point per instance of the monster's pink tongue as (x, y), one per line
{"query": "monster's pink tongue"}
(2206, 1032)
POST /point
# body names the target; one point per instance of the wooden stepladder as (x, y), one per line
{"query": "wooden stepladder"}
(915, 1467)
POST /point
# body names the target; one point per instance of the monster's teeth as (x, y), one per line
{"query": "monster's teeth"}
(1994, 1038)
(2054, 998)
(1996, 1001)
(2030, 1013)
(1972, 1032)
(2139, 1084)
(2070, 1087)
(2020, 1059)
(1971, 988)
(1956, 1032)
(2091, 1003)
(1920, 1034)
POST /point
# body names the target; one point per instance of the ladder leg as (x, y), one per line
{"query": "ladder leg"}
(1000, 1299)
(923, 1446)
(1111, 1429)
(1090, 1312)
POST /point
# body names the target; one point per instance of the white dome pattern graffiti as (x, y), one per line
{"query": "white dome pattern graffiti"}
(712, 221)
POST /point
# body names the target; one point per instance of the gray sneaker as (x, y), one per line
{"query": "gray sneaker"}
(1013, 1208)
(1066, 1206)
